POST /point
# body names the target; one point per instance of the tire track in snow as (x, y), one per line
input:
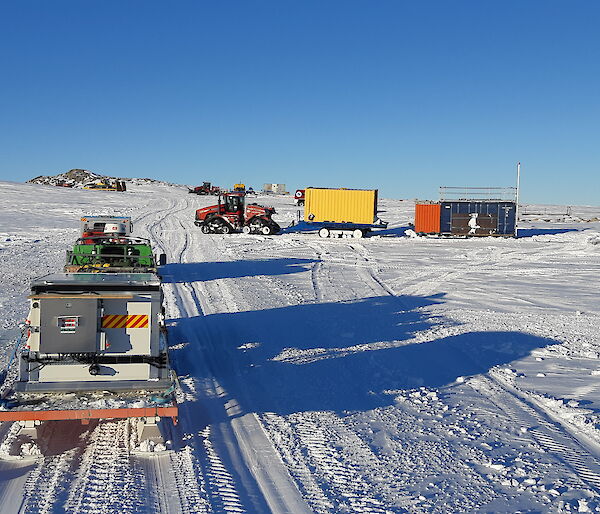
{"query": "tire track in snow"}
(181, 466)
(106, 480)
(312, 445)
(554, 439)
(231, 444)
(217, 488)
(550, 434)
(47, 484)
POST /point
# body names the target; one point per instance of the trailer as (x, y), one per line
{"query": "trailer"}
(96, 349)
(342, 212)
(468, 212)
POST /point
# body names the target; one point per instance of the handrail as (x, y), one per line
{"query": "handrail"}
(448, 193)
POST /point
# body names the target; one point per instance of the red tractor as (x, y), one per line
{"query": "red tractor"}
(206, 189)
(232, 214)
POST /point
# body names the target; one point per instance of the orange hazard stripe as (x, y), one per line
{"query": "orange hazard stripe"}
(107, 321)
(125, 321)
(140, 321)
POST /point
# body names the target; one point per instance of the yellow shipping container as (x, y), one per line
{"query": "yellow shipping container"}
(356, 206)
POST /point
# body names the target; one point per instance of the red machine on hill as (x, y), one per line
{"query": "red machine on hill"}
(206, 189)
(233, 214)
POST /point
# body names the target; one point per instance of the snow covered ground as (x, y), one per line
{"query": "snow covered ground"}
(388, 374)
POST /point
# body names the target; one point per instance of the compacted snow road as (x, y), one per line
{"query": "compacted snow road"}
(387, 374)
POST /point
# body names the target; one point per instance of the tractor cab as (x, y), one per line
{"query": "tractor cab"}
(233, 202)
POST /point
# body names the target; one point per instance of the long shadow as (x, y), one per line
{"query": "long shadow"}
(340, 356)
(303, 226)
(530, 232)
(392, 232)
(199, 271)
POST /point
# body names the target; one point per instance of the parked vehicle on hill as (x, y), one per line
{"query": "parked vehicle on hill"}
(206, 189)
(107, 185)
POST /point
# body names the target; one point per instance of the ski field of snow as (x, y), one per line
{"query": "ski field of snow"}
(387, 374)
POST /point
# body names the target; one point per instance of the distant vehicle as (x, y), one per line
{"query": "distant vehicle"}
(299, 197)
(239, 188)
(279, 189)
(107, 185)
(206, 189)
(250, 191)
(233, 214)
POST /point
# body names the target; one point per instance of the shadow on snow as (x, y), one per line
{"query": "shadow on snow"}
(304, 227)
(201, 271)
(339, 356)
(530, 232)
(393, 231)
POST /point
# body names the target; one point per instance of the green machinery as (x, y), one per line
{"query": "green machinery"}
(112, 254)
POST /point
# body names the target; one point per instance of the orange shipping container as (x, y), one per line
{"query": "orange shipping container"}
(427, 218)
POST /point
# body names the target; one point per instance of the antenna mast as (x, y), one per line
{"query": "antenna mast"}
(517, 196)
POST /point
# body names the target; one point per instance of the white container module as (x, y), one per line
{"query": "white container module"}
(94, 331)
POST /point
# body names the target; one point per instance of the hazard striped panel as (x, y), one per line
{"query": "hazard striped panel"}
(125, 321)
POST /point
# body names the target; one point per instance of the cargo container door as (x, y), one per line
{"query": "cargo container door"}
(506, 218)
(446, 218)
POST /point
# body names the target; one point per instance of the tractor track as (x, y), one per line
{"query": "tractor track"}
(577, 459)
(235, 479)
(46, 484)
(197, 464)
(105, 479)
(552, 435)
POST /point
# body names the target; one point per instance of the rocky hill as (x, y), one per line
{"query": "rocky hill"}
(72, 178)
(79, 177)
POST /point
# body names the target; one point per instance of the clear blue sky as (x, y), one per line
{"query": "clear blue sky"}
(402, 96)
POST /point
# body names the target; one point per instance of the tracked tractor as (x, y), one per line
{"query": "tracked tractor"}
(206, 189)
(233, 214)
